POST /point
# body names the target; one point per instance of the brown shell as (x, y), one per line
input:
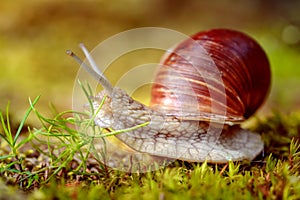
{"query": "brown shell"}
(215, 74)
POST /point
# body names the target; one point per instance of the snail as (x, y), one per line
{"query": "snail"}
(198, 100)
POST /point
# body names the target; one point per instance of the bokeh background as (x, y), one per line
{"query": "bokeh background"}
(34, 36)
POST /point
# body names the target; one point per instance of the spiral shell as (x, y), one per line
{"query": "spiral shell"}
(230, 56)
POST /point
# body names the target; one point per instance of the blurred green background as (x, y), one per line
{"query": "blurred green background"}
(34, 36)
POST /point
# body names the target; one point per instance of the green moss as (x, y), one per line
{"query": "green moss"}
(53, 166)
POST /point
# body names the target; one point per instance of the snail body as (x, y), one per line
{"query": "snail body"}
(194, 131)
(170, 137)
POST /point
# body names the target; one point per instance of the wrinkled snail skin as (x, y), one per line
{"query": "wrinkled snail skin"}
(195, 132)
(172, 137)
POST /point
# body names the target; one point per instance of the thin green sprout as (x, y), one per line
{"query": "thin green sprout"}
(87, 95)
(8, 137)
(122, 131)
(97, 111)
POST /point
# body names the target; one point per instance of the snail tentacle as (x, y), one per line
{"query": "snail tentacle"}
(98, 76)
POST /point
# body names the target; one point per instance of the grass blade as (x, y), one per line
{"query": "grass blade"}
(32, 104)
(8, 135)
(122, 130)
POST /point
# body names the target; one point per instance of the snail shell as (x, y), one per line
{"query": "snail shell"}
(239, 61)
(188, 133)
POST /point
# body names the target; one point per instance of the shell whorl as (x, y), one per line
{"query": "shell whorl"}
(239, 60)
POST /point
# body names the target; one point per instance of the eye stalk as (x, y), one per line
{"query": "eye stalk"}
(94, 70)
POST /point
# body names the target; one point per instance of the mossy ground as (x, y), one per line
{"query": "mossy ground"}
(35, 166)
